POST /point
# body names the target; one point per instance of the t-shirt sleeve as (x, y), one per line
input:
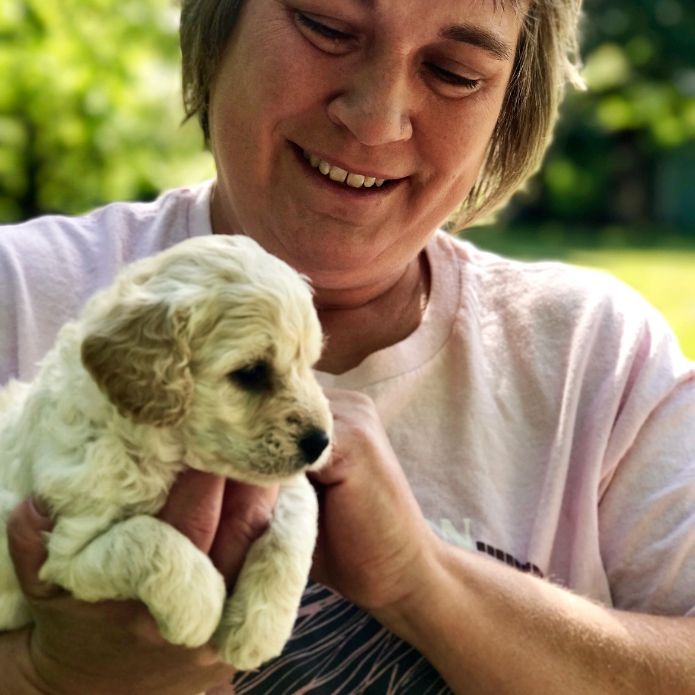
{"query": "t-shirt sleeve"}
(8, 333)
(647, 505)
(44, 280)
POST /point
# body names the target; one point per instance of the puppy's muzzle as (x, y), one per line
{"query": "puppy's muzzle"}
(312, 444)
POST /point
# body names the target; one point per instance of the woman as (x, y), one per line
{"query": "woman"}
(532, 413)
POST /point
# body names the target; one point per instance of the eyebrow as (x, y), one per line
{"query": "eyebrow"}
(467, 33)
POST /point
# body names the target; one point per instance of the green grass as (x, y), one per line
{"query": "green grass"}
(662, 270)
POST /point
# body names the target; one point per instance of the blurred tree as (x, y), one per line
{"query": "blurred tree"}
(90, 106)
(623, 149)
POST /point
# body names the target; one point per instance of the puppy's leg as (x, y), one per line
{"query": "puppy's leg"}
(14, 609)
(141, 558)
(259, 617)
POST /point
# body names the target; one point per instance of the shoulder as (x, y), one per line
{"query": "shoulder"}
(57, 255)
(541, 284)
(567, 330)
(113, 234)
(556, 302)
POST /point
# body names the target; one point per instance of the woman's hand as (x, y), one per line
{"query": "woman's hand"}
(114, 646)
(373, 539)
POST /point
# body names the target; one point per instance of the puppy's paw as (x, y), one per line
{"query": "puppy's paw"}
(259, 617)
(189, 609)
(249, 636)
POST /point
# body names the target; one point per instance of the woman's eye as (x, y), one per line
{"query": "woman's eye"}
(320, 29)
(452, 78)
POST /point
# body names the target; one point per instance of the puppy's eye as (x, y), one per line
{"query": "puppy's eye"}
(253, 377)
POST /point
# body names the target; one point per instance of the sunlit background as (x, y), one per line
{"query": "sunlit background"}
(90, 112)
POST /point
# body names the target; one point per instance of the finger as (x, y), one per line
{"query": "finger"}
(26, 529)
(193, 506)
(246, 512)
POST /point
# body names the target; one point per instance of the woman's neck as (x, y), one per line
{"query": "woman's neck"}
(359, 322)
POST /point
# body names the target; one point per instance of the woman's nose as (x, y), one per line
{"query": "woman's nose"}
(376, 106)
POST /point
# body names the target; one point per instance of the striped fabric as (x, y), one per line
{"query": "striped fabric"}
(337, 649)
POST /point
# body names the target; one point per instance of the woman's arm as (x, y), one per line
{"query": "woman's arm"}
(486, 627)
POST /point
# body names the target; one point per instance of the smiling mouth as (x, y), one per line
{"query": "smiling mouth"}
(342, 176)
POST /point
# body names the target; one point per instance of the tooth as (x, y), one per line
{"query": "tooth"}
(355, 180)
(341, 175)
(337, 174)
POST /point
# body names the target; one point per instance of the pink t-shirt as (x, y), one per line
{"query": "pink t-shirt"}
(542, 413)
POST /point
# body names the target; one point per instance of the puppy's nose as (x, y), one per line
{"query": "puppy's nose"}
(312, 444)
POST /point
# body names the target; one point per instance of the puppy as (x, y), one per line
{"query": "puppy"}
(200, 356)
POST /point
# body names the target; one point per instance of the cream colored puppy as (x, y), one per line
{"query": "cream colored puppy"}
(199, 356)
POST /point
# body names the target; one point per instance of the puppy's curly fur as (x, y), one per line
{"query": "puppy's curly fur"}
(199, 356)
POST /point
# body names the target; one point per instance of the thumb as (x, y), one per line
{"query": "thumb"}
(339, 468)
(246, 512)
(193, 506)
(26, 528)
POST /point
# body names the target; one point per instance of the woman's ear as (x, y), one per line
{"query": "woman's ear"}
(139, 357)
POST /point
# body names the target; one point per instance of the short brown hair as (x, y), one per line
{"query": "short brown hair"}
(547, 58)
(205, 28)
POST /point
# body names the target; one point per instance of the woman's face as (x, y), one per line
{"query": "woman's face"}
(407, 91)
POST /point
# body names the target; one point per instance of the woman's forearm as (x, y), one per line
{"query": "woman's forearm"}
(488, 628)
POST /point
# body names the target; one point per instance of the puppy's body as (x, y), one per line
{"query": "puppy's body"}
(200, 356)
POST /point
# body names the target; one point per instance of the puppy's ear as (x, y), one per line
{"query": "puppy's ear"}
(139, 358)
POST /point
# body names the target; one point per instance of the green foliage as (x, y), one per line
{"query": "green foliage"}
(90, 106)
(624, 151)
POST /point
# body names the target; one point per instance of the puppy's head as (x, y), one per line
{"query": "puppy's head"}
(217, 338)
